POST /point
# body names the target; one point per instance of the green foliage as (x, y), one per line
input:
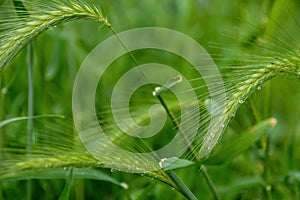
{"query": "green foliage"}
(65, 195)
(33, 18)
(260, 66)
(235, 147)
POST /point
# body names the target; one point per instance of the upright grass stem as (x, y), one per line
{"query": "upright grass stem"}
(30, 98)
(176, 180)
(1, 132)
(30, 111)
(79, 189)
(202, 167)
(209, 182)
(184, 189)
(266, 167)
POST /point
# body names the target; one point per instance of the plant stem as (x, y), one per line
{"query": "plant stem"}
(202, 167)
(209, 182)
(176, 124)
(266, 167)
(1, 132)
(79, 189)
(30, 111)
(172, 174)
(184, 189)
(179, 183)
(30, 98)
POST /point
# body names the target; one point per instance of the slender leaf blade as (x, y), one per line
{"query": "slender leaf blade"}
(67, 189)
(235, 147)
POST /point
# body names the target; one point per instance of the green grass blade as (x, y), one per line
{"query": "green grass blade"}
(15, 119)
(175, 163)
(61, 173)
(65, 195)
(235, 147)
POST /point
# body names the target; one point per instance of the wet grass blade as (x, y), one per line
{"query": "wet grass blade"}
(234, 148)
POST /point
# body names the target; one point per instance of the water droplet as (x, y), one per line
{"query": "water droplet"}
(124, 185)
(156, 91)
(139, 169)
(241, 101)
(47, 165)
(259, 88)
(4, 90)
(65, 168)
(223, 125)
(112, 170)
(173, 188)
(162, 161)
(207, 102)
(142, 174)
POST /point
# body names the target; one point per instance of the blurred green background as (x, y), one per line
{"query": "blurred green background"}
(218, 26)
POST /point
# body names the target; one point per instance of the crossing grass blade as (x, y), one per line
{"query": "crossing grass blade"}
(65, 195)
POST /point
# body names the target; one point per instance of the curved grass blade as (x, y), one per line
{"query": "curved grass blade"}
(61, 173)
(15, 119)
(235, 147)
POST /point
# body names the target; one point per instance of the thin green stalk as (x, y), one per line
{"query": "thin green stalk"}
(267, 143)
(79, 189)
(1, 115)
(30, 111)
(266, 167)
(1, 132)
(184, 189)
(202, 167)
(256, 115)
(176, 124)
(30, 98)
(209, 182)
(179, 183)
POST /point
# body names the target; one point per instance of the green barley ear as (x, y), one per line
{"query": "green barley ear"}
(56, 148)
(30, 18)
(276, 54)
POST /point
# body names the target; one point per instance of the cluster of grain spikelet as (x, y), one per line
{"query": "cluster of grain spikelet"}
(20, 25)
(58, 148)
(38, 16)
(241, 83)
(278, 54)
